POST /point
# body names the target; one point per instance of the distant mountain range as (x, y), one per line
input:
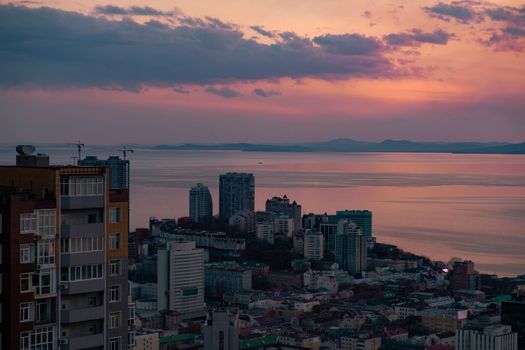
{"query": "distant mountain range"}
(349, 145)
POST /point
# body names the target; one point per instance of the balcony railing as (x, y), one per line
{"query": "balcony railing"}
(82, 202)
(84, 314)
(82, 230)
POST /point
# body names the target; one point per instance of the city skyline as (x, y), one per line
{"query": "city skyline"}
(188, 72)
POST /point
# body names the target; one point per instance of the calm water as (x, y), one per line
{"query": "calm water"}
(439, 205)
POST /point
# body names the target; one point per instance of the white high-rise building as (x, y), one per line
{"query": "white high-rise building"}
(491, 337)
(313, 245)
(201, 206)
(180, 285)
(350, 247)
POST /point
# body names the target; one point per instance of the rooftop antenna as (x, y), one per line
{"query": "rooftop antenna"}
(79, 148)
(125, 151)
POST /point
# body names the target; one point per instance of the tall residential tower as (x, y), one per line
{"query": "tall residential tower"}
(236, 193)
(64, 259)
(201, 207)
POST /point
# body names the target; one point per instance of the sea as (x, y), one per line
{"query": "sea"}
(443, 206)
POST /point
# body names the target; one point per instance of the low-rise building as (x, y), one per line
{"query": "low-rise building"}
(360, 341)
(226, 277)
(147, 341)
(443, 320)
(486, 337)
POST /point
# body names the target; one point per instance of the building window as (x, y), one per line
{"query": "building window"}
(82, 186)
(114, 293)
(82, 245)
(114, 267)
(28, 223)
(115, 319)
(26, 255)
(114, 241)
(43, 338)
(26, 312)
(25, 282)
(25, 340)
(81, 273)
(46, 221)
(45, 252)
(114, 215)
(114, 343)
(44, 282)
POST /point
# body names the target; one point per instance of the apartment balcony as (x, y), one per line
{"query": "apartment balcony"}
(82, 230)
(82, 342)
(76, 259)
(79, 315)
(79, 287)
(82, 202)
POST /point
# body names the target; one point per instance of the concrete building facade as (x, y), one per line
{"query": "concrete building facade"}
(493, 337)
(236, 193)
(66, 267)
(350, 248)
(313, 245)
(201, 205)
(180, 278)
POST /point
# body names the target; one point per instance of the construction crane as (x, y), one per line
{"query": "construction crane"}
(125, 151)
(79, 146)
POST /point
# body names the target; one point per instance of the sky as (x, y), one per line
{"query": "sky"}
(285, 71)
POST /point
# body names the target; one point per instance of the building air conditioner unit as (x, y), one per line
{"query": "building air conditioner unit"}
(64, 341)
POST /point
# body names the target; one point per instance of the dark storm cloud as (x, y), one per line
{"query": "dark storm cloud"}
(265, 93)
(225, 92)
(462, 12)
(131, 11)
(516, 31)
(417, 37)
(56, 49)
(349, 44)
(262, 31)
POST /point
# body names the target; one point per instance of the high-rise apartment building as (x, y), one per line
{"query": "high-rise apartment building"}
(180, 278)
(464, 276)
(283, 206)
(313, 245)
(350, 248)
(486, 337)
(329, 232)
(236, 193)
(118, 169)
(63, 243)
(362, 218)
(201, 207)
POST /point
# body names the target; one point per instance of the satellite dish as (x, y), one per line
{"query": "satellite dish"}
(25, 150)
